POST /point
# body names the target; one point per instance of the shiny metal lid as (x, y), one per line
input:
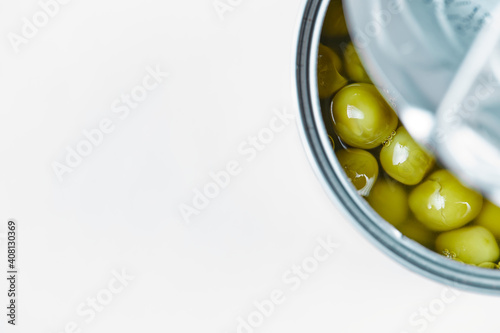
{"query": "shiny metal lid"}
(437, 62)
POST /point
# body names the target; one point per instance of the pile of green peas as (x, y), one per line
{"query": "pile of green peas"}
(400, 179)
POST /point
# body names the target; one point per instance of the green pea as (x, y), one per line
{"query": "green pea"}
(329, 78)
(418, 232)
(404, 160)
(390, 200)
(353, 66)
(489, 217)
(490, 265)
(442, 203)
(473, 245)
(361, 116)
(334, 25)
(361, 167)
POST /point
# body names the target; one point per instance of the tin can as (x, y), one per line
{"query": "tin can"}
(326, 166)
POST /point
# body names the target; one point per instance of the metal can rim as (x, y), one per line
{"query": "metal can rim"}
(315, 141)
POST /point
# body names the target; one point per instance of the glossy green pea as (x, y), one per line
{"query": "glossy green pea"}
(361, 117)
(473, 245)
(442, 203)
(329, 78)
(334, 25)
(361, 167)
(490, 265)
(489, 217)
(390, 200)
(353, 66)
(418, 232)
(404, 160)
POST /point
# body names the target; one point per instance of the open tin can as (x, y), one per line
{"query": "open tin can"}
(318, 147)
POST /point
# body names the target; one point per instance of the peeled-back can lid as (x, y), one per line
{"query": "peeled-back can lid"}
(437, 62)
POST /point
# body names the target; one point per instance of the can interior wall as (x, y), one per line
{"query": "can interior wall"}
(322, 158)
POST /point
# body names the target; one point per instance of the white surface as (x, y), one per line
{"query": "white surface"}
(119, 209)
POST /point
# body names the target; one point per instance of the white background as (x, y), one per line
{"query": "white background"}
(119, 209)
